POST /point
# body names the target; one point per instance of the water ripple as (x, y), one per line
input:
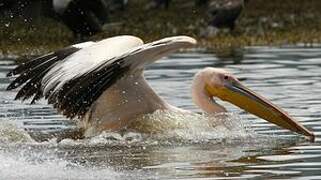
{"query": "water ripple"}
(289, 76)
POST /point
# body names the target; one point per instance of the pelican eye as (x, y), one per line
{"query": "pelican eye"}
(226, 77)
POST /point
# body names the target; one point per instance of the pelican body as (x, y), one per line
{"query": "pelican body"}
(102, 85)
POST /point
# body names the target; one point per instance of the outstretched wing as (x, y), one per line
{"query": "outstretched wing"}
(30, 73)
(73, 84)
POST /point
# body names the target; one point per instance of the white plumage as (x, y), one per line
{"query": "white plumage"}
(90, 56)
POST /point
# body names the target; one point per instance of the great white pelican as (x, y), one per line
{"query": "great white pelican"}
(87, 82)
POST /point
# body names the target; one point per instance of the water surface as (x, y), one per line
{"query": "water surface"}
(289, 76)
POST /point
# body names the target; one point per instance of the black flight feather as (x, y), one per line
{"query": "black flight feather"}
(31, 73)
(77, 95)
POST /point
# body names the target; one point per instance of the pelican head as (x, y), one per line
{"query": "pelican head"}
(213, 83)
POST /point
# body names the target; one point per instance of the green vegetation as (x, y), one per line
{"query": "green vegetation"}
(262, 22)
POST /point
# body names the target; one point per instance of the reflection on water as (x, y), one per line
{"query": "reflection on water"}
(290, 77)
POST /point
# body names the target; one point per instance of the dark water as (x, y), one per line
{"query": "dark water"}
(290, 77)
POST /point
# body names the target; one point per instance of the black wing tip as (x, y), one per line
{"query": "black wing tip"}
(17, 98)
(10, 74)
(16, 70)
(10, 87)
(30, 73)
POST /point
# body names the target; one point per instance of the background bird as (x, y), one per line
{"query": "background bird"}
(224, 13)
(84, 18)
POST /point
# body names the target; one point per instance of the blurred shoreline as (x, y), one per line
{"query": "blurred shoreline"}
(262, 23)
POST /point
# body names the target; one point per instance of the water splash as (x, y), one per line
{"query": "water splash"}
(159, 128)
(22, 157)
(172, 128)
(11, 133)
(19, 165)
(192, 127)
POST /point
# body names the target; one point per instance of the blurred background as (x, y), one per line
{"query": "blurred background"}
(41, 25)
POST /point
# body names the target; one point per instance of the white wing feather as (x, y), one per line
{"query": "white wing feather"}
(88, 58)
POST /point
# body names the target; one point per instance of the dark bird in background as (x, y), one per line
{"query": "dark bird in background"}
(224, 13)
(86, 17)
(83, 17)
